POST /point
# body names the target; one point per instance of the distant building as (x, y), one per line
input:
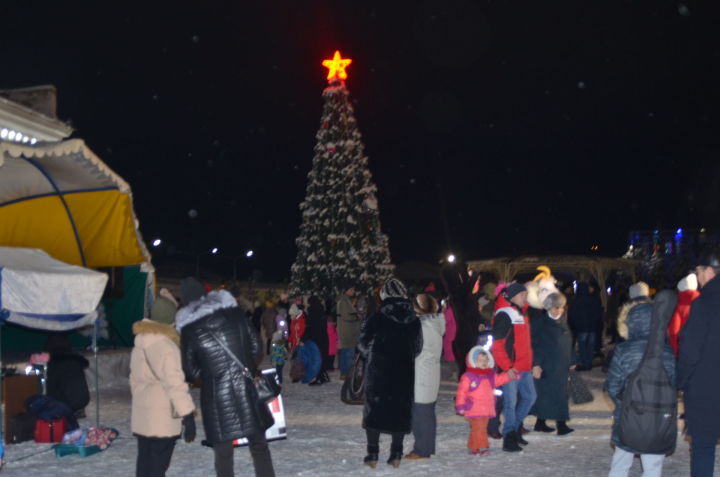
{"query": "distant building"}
(29, 116)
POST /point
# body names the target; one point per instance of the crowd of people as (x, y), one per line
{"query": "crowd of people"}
(530, 337)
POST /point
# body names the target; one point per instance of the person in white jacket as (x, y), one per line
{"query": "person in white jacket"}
(427, 377)
(162, 407)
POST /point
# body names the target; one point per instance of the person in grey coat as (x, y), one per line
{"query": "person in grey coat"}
(427, 377)
(635, 327)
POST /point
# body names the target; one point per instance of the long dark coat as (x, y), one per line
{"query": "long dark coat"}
(699, 363)
(390, 342)
(316, 326)
(552, 351)
(227, 399)
(585, 313)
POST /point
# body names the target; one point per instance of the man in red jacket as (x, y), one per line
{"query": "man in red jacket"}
(512, 350)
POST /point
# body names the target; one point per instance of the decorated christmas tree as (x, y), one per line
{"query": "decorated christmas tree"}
(340, 242)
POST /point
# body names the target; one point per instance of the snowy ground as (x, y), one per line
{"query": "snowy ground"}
(326, 439)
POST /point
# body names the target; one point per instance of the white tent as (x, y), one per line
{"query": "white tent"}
(40, 292)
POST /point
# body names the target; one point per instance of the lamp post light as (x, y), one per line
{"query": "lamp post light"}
(212, 251)
(451, 258)
(157, 242)
(247, 254)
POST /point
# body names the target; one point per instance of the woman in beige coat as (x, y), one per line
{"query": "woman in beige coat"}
(162, 406)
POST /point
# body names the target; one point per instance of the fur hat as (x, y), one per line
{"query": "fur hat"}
(513, 289)
(688, 283)
(639, 289)
(425, 304)
(393, 288)
(472, 357)
(294, 310)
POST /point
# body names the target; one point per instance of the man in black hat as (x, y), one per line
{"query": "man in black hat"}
(512, 349)
(698, 372)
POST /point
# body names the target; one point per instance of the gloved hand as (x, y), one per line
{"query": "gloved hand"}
(189, 431)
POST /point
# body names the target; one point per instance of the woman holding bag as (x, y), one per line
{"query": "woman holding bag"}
(218, 345)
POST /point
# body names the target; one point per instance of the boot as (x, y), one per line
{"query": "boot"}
(540, 426)
(371, 459)
(510, 442)
(394, 459)
(520, 439)
(324, 377)
(563, 429)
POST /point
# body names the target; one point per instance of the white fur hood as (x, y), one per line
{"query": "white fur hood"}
(207, 305)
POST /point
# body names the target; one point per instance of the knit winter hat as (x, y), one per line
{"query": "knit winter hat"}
(191, 290)
(163, 311)
(294, 310)
(425, 304)
(688, 283)
(393, 288)
(513, 289)
(639, 289)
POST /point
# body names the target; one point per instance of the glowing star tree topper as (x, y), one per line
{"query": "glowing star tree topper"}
(336, 67)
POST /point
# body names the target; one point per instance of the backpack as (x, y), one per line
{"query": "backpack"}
(648, 415)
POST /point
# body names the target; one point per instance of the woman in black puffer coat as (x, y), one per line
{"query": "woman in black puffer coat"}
(390, 342)
(227, 399)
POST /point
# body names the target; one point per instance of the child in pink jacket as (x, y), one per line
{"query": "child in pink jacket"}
(475, 398)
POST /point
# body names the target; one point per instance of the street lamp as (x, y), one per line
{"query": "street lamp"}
(212, 251)
(451, 258)
(248, 254)
(157, 242)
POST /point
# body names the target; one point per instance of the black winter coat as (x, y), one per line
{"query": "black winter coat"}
(552, 351)
(699, 363)
(626, 359)
(585, 314)
(316, 326)
(228, 400)
(66, 380)
(391, 340)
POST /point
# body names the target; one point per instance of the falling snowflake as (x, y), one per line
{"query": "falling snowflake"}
(412, 180)
(683, 10)
(192, 213)
(581, 85)
(195, 38)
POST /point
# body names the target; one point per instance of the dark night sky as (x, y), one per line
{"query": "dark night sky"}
(546, 126)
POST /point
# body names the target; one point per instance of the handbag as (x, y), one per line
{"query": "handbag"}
(266, 385)
(578, 388)
(353, 389)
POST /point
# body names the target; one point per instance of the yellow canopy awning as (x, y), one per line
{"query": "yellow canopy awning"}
(63, 199)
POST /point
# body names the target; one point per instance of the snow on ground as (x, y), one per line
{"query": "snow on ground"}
(326, 439)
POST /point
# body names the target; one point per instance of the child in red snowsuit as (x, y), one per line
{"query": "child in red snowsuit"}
(475, 398)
